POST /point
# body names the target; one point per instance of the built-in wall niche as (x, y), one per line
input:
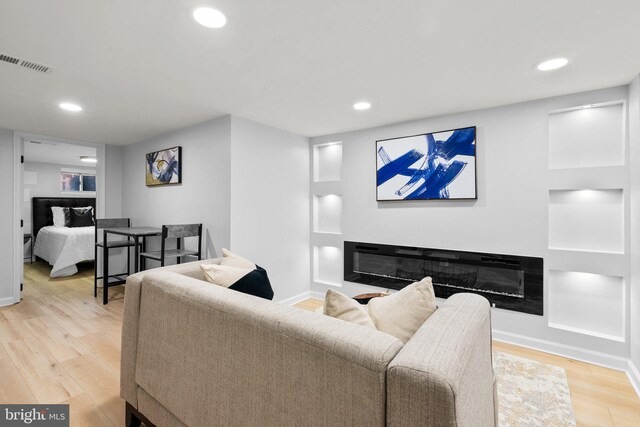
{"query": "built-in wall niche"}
(328, 265)
(327, 213)
(586, 220)
(587, 136)
(592, 304)
(327, 162)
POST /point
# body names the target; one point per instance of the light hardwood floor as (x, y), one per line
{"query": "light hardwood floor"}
(600, 396)
(60, 345)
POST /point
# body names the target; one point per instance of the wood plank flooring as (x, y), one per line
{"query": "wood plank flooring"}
(601, 397)
(60, 345)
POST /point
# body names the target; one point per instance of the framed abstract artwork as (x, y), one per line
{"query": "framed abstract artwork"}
(164, 167)
(430, 166)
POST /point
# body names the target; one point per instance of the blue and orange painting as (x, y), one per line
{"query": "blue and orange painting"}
(440, 165)
(164, 167)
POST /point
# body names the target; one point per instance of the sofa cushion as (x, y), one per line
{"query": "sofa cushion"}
(400, 314)
(253, 282)
(224, 275)
(340, 306)
(233, 260)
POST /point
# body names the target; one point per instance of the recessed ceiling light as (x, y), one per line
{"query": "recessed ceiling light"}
(68, 106)
(88, 159)
(209, 17)
(552, 64)
(584, 107)
(363, 105)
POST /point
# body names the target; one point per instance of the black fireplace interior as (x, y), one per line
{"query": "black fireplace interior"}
(507, 281)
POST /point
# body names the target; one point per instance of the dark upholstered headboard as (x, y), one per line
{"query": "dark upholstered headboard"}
(41, 209)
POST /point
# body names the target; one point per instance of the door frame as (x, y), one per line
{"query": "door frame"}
(18, 194)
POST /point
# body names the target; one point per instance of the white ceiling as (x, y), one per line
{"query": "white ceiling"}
(57, 153)
(144, 67)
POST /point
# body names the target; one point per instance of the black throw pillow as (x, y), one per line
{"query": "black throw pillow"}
(255, 283)
(67, 215)
(80, 218)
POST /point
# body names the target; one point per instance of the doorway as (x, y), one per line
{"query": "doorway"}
(51, 167)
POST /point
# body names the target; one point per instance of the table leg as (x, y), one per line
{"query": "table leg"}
(31, 249)
(137, 254)
(105, 270)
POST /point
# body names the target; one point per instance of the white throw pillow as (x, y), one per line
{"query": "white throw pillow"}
(400, 314)
(233, 260)
(340, 306)
(58, 216)
(224, 275)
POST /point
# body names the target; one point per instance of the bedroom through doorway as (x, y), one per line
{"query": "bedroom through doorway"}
(60, 189)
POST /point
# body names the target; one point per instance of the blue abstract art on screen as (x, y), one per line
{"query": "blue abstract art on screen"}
(440, 165)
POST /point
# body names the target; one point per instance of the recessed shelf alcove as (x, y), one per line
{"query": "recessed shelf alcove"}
(586, 220)
(587, 136)
(591, 304)
(327, 213)
(327, 162)
(328, 265)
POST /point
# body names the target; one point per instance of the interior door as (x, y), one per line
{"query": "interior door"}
(21, 197)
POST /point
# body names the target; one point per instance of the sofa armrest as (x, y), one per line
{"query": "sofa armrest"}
(444, 375)
(128, 387)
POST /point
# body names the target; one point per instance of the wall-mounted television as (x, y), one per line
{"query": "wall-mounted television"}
(429, 166)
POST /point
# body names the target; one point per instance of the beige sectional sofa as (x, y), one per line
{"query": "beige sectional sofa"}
(201, 355)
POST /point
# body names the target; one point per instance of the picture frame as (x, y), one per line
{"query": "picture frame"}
(429, 166)
(164, 167)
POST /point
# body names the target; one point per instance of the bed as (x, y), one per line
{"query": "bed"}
(61, 247)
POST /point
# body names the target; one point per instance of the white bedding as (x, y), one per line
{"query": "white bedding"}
(64, 247)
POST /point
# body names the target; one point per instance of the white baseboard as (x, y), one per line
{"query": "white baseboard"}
(6, 301)
(301, 297)
(317, 295)
(576, 353)
(634, 377)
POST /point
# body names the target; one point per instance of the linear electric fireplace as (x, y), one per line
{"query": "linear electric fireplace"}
(507, 281)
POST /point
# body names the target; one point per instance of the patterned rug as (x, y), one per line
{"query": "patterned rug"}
(531, 393)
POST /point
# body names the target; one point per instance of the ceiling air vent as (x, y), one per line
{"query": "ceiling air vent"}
(25, 63)
(9, 59)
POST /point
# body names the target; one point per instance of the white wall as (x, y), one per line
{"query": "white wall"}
(270, 203)
(246, 182)
(47, 184)
(6, 217)
(114, 158)
(510, 215)
(204, 195)
(634, 155)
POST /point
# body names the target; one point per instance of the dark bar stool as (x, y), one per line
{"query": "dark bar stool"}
(109, 280)
(178, 232)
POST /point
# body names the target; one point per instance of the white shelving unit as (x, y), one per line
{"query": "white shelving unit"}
(326, 207)
(587, 303)
(586, 220)
(587, 264)
(587, 136)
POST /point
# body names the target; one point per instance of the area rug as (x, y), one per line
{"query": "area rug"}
(531, 393)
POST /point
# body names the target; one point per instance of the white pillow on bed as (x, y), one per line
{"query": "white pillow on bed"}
(58, 216)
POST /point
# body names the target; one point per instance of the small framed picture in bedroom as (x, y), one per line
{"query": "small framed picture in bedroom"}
(164, 167)
(429, 166)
